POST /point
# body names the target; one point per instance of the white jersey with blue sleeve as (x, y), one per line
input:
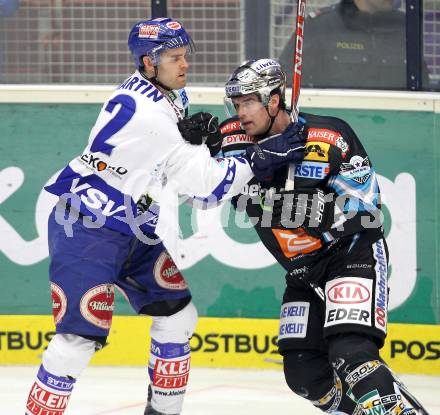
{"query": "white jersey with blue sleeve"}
(134, 150)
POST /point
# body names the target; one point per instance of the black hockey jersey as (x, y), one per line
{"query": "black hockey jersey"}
(334, 161)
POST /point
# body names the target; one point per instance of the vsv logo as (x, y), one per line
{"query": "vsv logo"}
(94, 198)
(210, 238)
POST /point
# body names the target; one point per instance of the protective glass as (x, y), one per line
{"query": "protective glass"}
(158, 54)
(247, 106)
(170, 55)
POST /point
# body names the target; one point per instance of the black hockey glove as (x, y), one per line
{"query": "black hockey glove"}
(202, 128)
(310, 209)
(278, 150)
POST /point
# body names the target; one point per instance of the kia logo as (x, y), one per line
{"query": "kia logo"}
(348, 292)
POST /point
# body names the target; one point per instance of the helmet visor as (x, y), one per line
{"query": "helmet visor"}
(157, 54)
(244, 106)
(172, 55)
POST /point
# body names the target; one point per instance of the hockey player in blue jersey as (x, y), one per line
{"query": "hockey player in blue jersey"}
(327, 234)
(104, 233)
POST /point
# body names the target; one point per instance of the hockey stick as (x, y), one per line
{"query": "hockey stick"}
(296, 78)
(403, 389)
(406, 393)
(296, 87)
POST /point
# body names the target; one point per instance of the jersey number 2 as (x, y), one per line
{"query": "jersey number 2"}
(121, 118)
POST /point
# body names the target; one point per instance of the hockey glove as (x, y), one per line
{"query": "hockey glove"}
(310, 209)
(278, 150)
(202, 128)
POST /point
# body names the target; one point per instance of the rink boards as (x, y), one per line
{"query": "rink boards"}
(217, 342)
(228, 269)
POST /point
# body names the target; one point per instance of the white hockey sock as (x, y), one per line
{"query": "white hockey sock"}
(49, 394)
(169, 362)
(169, 371)
(65, 358)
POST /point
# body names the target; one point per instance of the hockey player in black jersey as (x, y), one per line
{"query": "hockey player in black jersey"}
(328, 235)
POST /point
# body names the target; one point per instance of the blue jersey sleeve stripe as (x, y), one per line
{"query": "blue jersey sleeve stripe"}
(223, 187)
(367, 193)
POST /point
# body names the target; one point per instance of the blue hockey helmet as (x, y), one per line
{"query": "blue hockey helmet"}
(152, 37)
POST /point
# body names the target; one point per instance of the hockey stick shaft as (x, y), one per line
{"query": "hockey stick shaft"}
(296, 78)
(297, 58)
(406, 393)
(403, 389)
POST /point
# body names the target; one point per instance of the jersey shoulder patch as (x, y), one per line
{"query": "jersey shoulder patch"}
(332, 137)
(230, 125)
(234, 136)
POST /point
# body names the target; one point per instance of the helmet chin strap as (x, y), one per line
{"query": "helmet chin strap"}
(272, 120)
(156, 81)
